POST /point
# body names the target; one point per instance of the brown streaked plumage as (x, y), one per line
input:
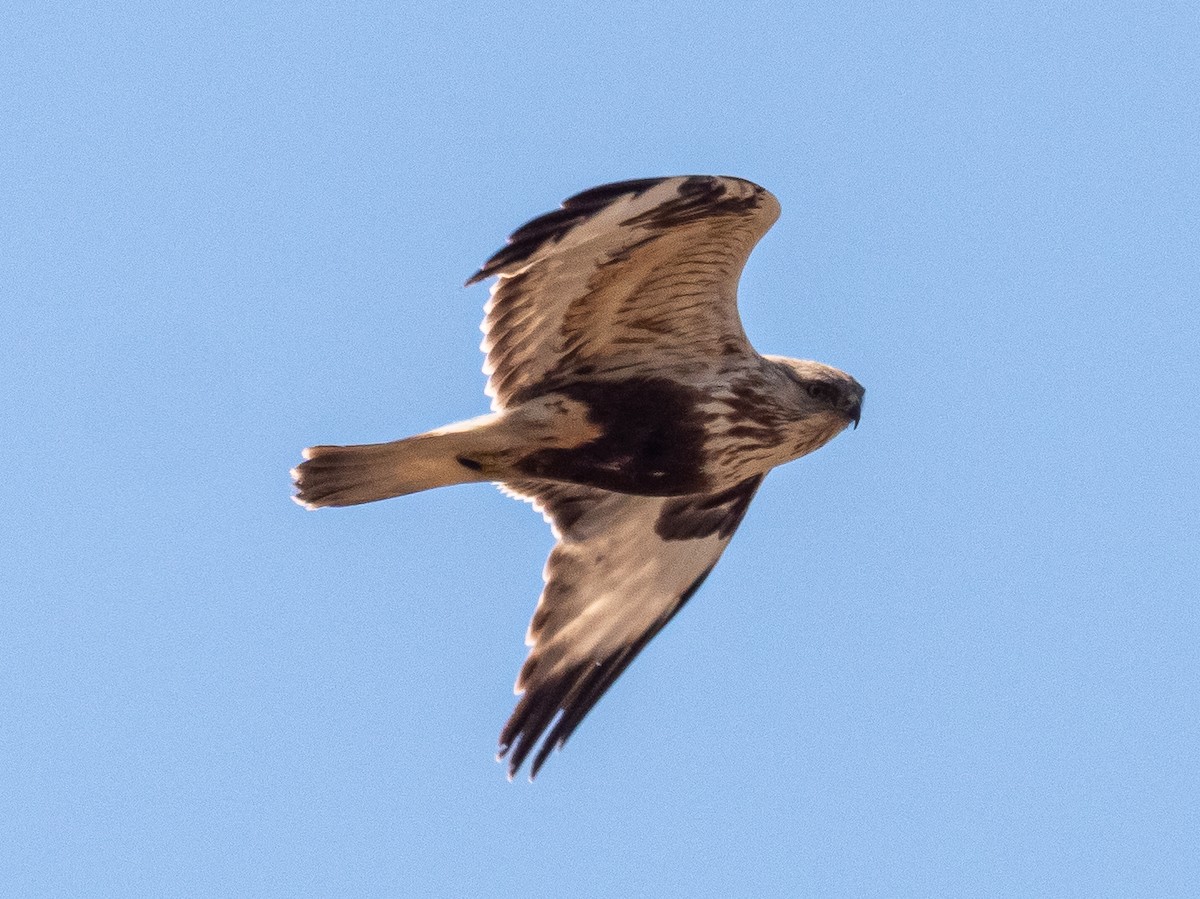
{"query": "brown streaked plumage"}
(629, 407)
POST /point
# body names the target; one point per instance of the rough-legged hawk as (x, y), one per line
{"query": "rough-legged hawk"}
(629, 407)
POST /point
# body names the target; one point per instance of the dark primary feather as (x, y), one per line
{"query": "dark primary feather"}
(572, 693)
(531, 236)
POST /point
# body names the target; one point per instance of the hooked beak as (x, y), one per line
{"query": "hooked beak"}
(854, 408)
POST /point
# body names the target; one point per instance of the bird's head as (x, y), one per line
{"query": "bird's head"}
(826, 400)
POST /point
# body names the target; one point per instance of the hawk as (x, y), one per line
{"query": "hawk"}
(629, 408)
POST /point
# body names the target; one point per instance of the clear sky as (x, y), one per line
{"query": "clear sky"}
(956, 652)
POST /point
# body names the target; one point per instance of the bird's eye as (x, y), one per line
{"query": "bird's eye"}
(819, 390)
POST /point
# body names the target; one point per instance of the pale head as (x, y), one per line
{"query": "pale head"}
(824, 399)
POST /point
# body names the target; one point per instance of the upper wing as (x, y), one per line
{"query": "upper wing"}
(622, 567)
(633, 274)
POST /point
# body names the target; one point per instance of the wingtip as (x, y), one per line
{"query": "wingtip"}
(297, 476)
(501, 753)
(299, 501)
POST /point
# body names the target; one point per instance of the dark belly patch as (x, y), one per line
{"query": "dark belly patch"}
(651, 442)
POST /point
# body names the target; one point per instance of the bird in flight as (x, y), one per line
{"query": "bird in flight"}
(629, 408)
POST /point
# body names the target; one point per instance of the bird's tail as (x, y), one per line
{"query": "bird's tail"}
(349, 475)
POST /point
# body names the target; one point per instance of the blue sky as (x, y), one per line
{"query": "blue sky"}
(953, 653)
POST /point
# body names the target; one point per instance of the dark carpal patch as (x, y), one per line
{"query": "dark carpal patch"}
(693, 517)
(652, 440)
